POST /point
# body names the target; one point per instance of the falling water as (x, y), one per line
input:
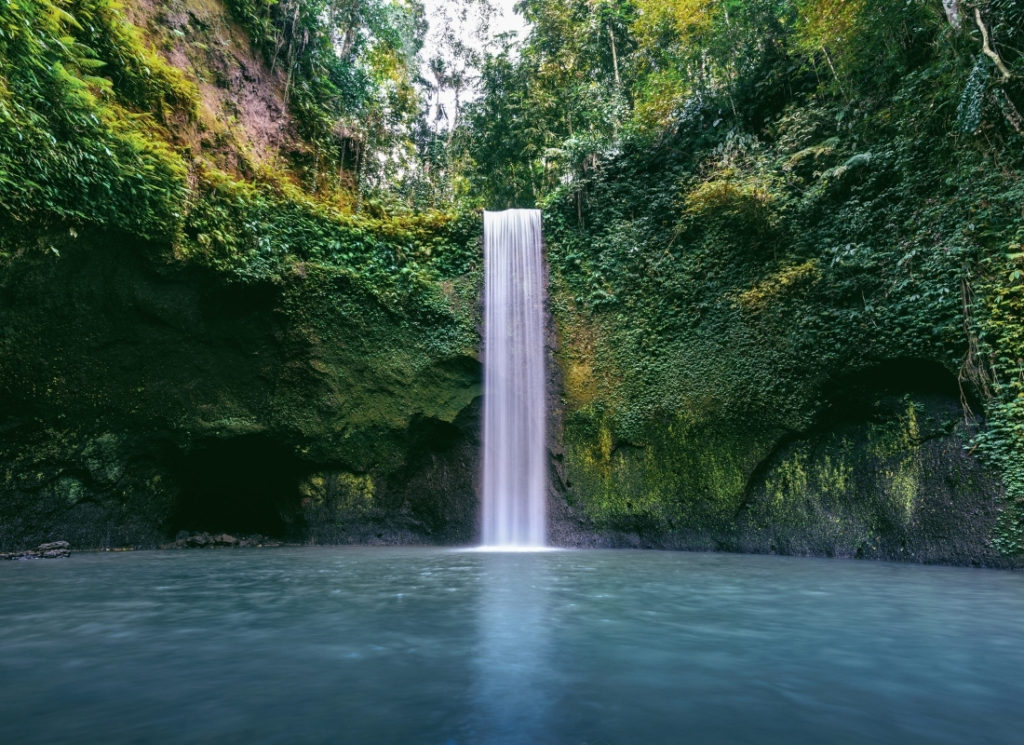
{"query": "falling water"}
(514, 513)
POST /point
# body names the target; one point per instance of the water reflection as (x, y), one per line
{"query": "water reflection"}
(512, 703)
(434, 647)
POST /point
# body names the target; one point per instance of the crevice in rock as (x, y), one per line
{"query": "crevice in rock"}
(850, 395)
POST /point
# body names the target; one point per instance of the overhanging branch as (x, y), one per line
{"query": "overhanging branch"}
(986, 47)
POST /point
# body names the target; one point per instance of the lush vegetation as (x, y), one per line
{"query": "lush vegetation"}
(195, 248)
(350, 68)
(742, 198)
(75, 146)
(95, 134)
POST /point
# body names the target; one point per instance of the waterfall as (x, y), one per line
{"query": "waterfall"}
(514, 493)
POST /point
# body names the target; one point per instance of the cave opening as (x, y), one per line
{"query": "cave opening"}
(858, 394)
(242, 485)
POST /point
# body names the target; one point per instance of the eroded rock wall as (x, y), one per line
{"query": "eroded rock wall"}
(144, 397)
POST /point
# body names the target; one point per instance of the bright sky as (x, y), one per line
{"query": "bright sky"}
(507, 19)
(504, 19)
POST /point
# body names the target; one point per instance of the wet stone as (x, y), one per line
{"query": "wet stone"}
(51, 550)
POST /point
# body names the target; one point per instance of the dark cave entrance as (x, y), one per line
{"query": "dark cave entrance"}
(243, 485)
(879, 389)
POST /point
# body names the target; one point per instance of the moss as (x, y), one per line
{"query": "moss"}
(905, 474)
(69, 489)
(342, 492)
(787, 488)
(681, 474)
(368, 368)
(790, 279)
(317, 361)
(806, 502)
(103, 459)
(891, 484)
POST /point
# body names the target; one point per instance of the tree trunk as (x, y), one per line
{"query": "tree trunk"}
(952, 8)
(615, 57)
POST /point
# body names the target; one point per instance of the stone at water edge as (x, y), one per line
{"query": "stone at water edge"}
(54, 550)
(198, 540)
(51, 550)
(184, 539)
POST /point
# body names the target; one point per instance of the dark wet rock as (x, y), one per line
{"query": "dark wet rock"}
(884, 471)
(198, 540)
(54, 550)
(51, 550)
(184, 539)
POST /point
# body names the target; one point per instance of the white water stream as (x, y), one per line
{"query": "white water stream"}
(514, 494)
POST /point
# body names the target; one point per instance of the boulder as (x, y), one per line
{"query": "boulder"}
(198, 540)
(52, 550)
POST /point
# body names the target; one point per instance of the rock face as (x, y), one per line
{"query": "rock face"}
(147, 399)
(143, 398)
(882, 471)
(894, 482)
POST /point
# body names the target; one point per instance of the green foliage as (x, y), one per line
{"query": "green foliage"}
(548, 108)
(68, 151)
(845, 39)
(350, 68)
(1001, 334)
(86, 107)
(772, 192)
(259, 233)
(142, 80)
(741, 198)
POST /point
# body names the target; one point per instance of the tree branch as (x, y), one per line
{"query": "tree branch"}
(986, 47)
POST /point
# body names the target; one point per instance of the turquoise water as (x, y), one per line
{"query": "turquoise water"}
(357, 645)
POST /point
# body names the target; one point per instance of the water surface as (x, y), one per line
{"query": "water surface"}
(357, 645)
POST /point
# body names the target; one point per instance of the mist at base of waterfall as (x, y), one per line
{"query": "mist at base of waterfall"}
(449, 647)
